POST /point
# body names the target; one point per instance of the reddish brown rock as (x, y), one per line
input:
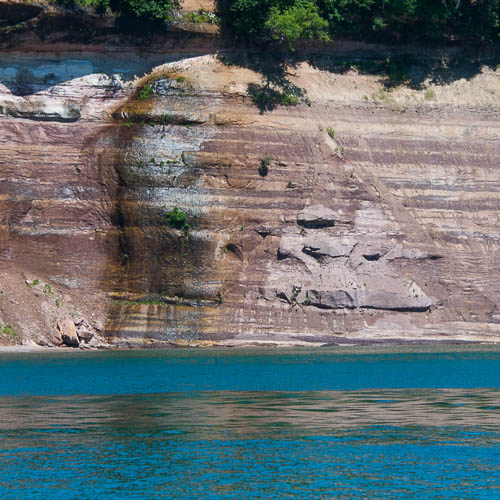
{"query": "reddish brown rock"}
(391, 232)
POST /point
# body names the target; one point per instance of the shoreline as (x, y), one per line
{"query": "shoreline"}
(264, 346)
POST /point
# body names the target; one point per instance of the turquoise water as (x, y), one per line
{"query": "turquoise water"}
(360, 423)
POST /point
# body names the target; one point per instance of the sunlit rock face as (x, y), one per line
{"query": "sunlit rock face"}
(386, 229)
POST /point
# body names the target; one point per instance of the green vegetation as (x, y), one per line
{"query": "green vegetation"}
(145, 10)
(146, 92)
(288, 98)
(180, 79)
(9, 331)
(331, 132)
(430, 94)
(289, 21)
(265, 161)
(298, 21)
(396, 20)
(177, 219)
(266, 97)
(203, 16)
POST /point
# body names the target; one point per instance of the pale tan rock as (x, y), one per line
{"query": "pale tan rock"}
(317, 216)
(68, 333)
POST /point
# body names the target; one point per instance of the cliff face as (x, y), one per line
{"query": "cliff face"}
(360, 213)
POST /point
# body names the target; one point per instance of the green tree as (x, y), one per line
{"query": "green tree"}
(346, 17)
(300, 21)
(149, 10)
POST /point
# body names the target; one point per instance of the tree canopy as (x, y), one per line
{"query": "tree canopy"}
(291, 20)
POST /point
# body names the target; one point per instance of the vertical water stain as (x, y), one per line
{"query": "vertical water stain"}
(161, 280)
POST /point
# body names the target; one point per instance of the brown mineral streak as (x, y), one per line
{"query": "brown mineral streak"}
(387, 231)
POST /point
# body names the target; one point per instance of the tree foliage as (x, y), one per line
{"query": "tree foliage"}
(150, 10)
(290, 20)
(145, 10)
(300, 21)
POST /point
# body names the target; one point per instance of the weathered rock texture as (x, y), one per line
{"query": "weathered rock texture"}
(388, 230)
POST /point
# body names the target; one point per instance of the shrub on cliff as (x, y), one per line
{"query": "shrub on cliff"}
(177, 219)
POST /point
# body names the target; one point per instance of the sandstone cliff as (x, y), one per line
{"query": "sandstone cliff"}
(375, 217)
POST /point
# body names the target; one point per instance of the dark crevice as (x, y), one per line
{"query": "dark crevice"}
(372, 257)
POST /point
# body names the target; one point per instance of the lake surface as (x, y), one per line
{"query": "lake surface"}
(414, 422)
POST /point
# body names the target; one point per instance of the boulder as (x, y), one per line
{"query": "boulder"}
(84, 334)
(332, 299)
(56, 337)
(68, 333)
(413, 254)
(290, 246)
(267, 293)
(394, 295)
(328, 247)
(316, 217)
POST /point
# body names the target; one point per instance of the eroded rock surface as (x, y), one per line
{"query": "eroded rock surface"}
(389, 232)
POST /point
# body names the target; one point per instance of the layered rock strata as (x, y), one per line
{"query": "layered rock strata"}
(386, 228)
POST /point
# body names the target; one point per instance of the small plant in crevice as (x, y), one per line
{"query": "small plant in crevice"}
(265, 161)
(146, 92)
(293, 297)
(180, 79)
(331, 132)
(177, 219)
(203, 16)
(125, 258)
(225, 60)
(267, 97)
(430, 94)
(218, 298)
(9, 331)
(288, 98)
(47, 288)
